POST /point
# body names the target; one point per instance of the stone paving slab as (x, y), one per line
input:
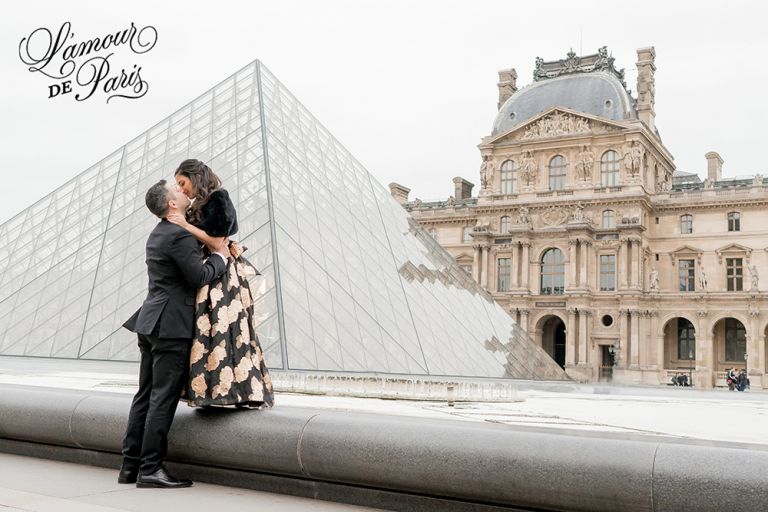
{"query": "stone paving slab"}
(37, 485)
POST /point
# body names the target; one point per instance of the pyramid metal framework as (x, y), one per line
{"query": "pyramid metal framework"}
(350, 282)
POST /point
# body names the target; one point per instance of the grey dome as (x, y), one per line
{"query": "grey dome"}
(600, 94)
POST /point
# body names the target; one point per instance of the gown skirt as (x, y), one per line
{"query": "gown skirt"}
(226, 360)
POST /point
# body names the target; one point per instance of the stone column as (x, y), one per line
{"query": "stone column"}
(635, 270)
(570, 281)
(635, 337)
(705, 353)
(570, 338)
(476, 263)
(584, 249)
(524, 313)
(644, 342)
(484, 266)
(621, 361)
(525, 265)
(755, 356)
(584, 317)
(515, 260)
(623, 264)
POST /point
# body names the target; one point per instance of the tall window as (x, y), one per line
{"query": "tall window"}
(686, 339)
(609, 169)
(466, 236)
(508, 177)
(504, 273)
(687, 273)
(735, 340)
(607, 272)
(557, 173)
(686, 224)
(734, 221)
(505, 223)
(734, 268)
(609, 219)
(553, 272)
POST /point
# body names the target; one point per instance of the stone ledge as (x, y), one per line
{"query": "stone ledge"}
(442, 460)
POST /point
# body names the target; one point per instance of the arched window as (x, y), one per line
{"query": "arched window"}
(609, 219)
(686, 224)
(508, 177)
(686, 339)
(552, 272)
(557, 177)
(504, 224)
(609, 169)
(734, 221)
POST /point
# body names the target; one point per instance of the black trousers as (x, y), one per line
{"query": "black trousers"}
(163, 372)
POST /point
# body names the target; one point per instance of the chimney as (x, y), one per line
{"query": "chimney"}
(714, 166)
(507, 85)
(646, 86)
(399, 192)
(463, 188)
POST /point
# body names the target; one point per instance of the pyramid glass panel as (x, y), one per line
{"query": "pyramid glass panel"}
(348, 282)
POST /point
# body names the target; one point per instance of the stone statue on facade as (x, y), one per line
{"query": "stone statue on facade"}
(416, 203)
(633, 159)
(556, 124)
(524, 216)
(528, 169)
(577, 215)
(754, 276)
(654, 284)
(703, 280)
(584, 164)
(757, 181)
(451, 201)
(486, 172)
(708, 183)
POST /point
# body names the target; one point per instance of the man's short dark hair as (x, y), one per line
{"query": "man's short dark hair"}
(157, 199)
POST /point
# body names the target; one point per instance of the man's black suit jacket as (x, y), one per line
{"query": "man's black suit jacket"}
(176, 270)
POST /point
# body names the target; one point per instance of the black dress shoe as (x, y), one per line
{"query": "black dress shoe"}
(162, 479)
(127, 475)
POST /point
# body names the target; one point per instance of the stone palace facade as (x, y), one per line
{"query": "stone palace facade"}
(619, 266)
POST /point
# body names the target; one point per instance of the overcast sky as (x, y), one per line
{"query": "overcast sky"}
(409, 87)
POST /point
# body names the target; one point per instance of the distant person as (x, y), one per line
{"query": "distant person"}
(227, 366)
(164, 325)
(742, 381)
(683, 380)
(731, 378)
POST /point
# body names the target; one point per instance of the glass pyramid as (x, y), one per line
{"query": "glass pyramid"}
(350, 282)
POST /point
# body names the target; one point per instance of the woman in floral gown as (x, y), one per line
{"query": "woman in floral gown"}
(226, 363)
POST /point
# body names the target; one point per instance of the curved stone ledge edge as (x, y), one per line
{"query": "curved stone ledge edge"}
(442, 458)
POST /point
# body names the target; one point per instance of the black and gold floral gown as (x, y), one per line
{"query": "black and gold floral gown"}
(226, 361)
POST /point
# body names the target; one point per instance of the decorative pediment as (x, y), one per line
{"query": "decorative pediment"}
(733, 250)
(686, 251)
(558, 122)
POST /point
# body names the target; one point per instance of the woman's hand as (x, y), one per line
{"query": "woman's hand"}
(178, 219)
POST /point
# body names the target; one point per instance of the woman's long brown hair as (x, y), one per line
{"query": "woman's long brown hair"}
(204, 181)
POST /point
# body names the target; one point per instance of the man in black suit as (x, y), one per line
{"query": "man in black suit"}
(164, 325)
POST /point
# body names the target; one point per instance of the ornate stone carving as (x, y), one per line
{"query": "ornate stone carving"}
(528, 170)
(755, 277)
(703, 279)
(577, 213)
(483, 224)
(523, 215)
(554, 216)
(757, 181)
(584, 164)
(702, 313)
(486, 172)
(633, 159)
(557, 124)
(654, 280)
(574, 64)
